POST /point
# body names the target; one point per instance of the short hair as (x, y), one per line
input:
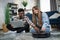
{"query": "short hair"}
(20, 9)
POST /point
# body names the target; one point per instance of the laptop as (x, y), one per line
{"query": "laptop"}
(17, 24)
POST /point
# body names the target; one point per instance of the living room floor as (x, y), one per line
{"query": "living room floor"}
(55, 35)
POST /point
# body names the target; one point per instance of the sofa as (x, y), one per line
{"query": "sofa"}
(54, 21)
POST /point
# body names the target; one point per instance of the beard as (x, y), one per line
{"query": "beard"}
(21, 17)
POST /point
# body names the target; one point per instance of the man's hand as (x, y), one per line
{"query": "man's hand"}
(37, 29)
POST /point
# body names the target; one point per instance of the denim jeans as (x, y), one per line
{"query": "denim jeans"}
(32, 30)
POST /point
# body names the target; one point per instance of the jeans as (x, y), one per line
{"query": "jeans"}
(32, 30)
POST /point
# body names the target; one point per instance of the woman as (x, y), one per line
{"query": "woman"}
(40, 20)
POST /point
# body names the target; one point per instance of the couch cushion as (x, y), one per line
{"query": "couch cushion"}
(51, 13)
(29, 15)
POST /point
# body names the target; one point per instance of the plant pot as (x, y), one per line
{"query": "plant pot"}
(4, 28)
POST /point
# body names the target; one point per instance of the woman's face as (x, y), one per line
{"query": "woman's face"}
(35, 11)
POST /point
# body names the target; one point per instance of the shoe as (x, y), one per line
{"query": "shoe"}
(9, 32)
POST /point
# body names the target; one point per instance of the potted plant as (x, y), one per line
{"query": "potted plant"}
(24, 4)
(7, 19)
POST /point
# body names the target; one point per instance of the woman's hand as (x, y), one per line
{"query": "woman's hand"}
(37, 29)
(43, 29)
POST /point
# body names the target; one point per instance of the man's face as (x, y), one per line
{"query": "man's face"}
(21, 14)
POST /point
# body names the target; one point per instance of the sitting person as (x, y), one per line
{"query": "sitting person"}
(23, 18)
(40, 20)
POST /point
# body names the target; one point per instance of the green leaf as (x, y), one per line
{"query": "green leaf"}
(7, 18)
(24, 3)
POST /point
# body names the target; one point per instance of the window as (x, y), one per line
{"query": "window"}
(45, 5)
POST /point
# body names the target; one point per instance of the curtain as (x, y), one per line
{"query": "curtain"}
(53, 5)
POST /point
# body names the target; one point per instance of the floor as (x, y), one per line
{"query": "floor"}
(55, 35)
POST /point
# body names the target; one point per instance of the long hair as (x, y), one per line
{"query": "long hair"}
(39, 17)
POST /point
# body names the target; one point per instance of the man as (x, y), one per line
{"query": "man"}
(21, 16)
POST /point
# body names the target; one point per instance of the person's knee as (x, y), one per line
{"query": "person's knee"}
(32, 30)
(26, 25)
(47, 30)
(10, 27)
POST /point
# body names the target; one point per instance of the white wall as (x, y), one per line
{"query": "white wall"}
(1, 14)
